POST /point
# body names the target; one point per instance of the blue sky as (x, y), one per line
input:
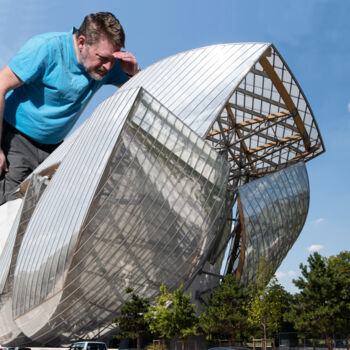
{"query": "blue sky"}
(313, 36)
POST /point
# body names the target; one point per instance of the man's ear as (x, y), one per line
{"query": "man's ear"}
(81, 42)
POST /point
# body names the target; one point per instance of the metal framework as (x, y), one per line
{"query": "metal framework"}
(171, 174)
(265, 126)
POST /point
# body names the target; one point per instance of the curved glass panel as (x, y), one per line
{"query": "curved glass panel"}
(151, 220)
(274, 212)
(195, 84)
(34, 191)
(46, 242)
(9, 330)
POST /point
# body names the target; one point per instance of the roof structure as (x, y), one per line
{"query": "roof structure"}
(178, 167)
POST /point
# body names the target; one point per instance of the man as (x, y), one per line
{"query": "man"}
(45, 87)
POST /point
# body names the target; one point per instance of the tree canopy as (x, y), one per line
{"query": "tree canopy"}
(131, 322)
(224, 315)
(173, 315)
(322, 304)
(321, 307)
(268, 301)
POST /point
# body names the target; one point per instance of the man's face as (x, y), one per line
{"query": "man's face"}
(97, 58)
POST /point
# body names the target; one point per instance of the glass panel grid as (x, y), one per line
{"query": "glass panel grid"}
(257, 97)
(274, 211)
(153, 217)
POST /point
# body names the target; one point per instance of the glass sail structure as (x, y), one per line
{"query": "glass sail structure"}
(146, 192)
(273, 211)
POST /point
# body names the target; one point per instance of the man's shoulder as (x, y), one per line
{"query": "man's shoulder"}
(52, 37)
(40, 54)
(50, 44)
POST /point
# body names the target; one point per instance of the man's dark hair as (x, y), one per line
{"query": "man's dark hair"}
(102, 25)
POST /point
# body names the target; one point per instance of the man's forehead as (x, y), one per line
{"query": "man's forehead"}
(104, 46)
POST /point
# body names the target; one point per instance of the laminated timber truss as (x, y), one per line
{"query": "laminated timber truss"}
(265, 126)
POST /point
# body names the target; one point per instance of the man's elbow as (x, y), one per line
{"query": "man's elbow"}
(8, 80)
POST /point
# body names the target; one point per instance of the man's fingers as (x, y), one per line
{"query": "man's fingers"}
(127, 62)
(121, 54)
(125, 56)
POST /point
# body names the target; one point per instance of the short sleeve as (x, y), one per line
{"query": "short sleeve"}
(116, 75)
(30, 61)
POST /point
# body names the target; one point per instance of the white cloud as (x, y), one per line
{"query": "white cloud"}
(315, 247)
(283, 274)
(280, 274)
(318, 221)
(349, 106)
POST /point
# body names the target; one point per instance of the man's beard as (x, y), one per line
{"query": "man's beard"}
(96, 75)
(93, 73)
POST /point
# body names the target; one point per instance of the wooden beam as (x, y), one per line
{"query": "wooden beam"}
(269, 145)
(282, 140)
(216, 132)
(266, 136)
(305, 154)
(268, 52)
(262, 120)
(238, 132)
(255, 158)
(234, 249)
(287, 100)
(293, 160)
(251, 122)
(24, 186)
(243, 240)
(260, 115)
(278, 149)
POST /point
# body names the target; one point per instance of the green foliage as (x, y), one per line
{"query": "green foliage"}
(322, 305)
(225, 315)
(173, 315)
(131, 322)
(341, 265)
(156, 347)
(268, 301)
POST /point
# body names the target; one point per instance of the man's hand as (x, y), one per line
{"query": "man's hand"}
(3, 163)
(127, 62)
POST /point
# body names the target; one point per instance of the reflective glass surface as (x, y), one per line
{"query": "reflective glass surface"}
(150, 219)
(274, 212)
(9, 330)
(195, 84)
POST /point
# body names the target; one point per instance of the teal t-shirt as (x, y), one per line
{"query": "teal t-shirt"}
(56, 88)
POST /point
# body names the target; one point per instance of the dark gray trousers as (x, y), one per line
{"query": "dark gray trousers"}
(23, 156)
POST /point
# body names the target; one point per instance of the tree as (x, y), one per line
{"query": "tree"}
(323, 301)
(283, 301)
(131, 322)
(267, 304)
(173, 315)
(341, 265)
(225, 314)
